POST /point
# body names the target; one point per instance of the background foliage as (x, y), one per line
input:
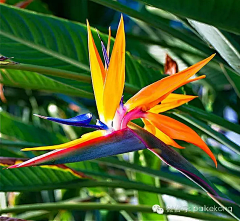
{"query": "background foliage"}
(49, 40)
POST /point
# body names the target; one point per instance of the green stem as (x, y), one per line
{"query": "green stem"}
(110, 207)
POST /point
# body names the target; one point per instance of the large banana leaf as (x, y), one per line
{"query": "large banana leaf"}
(222, 41)
(222, 14)
(182, 53)
(35, 81)
(36, 178)
(157, 22)
(58, 44)
(227, 47)
(186, 39)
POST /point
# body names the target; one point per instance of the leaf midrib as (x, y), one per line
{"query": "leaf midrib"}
(45, 51)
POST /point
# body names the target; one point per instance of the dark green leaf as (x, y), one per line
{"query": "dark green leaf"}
(222, 41)
(59, 44)
(18, 130)
(221, 13)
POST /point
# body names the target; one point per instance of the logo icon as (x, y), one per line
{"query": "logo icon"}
(157, 209)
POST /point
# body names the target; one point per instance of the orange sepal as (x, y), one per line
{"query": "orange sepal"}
(176, 130)
(194, 79)
(151, 95)
(97, 72)
(115, 77)
(160, 99)
(171, 101)
(160, 135)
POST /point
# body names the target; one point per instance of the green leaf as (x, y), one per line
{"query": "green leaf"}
(144, 158)
(157, 22)
(36, 81)
(58, 44)
(168, 177)
(225, 176)
(233, 78)
(25, 179)
(216, 79)
(36, 178)
(222, 14)
(41, 44)
(17, 130)
(222, 41)
(111, 207)
(183, 53)
(8, 152)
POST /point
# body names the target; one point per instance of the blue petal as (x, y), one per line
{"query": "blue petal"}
(82, 120)
(102, 125)
(105, 56)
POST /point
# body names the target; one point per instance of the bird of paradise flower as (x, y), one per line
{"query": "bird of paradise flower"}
(115, 133)
(115, 116)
